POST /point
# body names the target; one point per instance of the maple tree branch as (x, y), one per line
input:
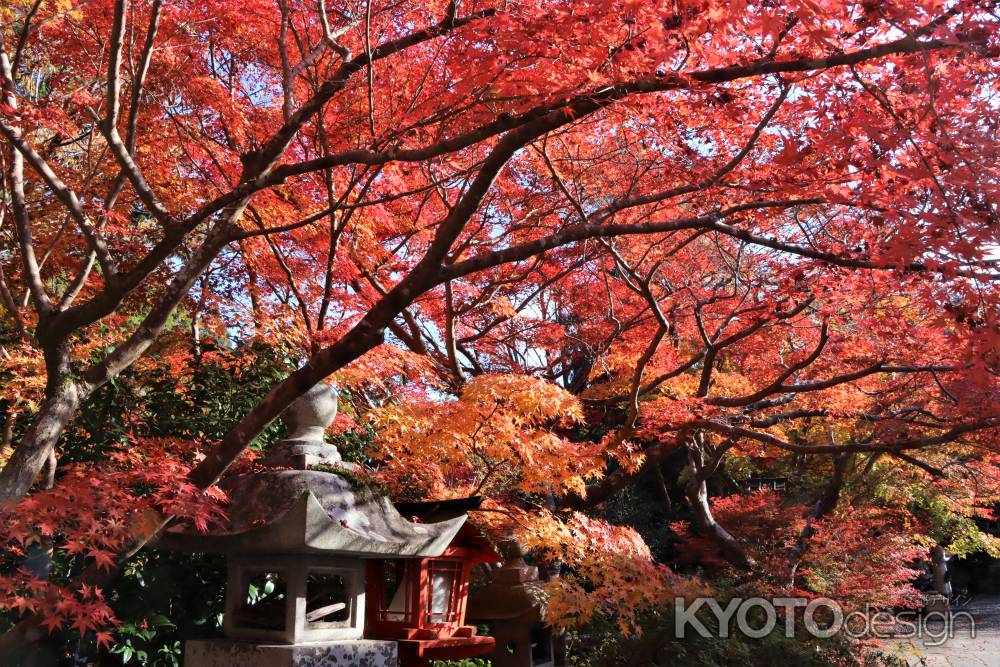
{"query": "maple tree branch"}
(22, 219)
(258, 165)
(139, 79)
(7, 299)
(264, 159)
(65, 195)
(329, 41)
(607, 94)
(174, 292)
(337, 229)
(331, 37)
(548, 282)
(114, 64)
(22, 38)
(287, 78)
(779, 383)
(833, 258)
(281, 229)
(303, 305)
(780, 37)
(134, 173)
(104, 302)
(413, 335)
(131, 135)
(715, 178)
(370, 82)
(575, 233)
(451, 345)
(696, 491)
(561, 185)
(819, 385)
(642, 286)
(713, 347)
(917, 463)
(75, 287)
(781, 417)
(825, 504)
(109, 126)
(655, 382)
(905, 45)
(950, 435)
(10, 419)
(906, 416)
(617, 480)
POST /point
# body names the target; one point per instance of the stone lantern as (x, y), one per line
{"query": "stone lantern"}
(510, 605)
(296, 544)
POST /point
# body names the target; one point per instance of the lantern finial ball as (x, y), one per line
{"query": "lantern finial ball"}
(311, 414)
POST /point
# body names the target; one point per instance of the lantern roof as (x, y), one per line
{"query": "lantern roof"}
(432, 512)
(304, 511)
(308, 511)
(439, 510)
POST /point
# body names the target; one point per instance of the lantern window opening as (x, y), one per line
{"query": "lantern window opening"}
(443, 584)
(329, 599)
(398, 599)
(265, 593)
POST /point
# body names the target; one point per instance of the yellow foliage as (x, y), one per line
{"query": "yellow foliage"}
(497, 436)
(609, 569)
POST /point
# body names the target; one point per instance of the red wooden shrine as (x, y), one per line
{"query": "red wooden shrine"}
(420, 603)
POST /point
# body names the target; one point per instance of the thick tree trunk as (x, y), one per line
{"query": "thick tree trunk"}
(696, 491)
(36, 449)
(697, 495)
(64, 394)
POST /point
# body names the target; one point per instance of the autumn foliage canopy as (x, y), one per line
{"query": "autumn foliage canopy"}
(545, 249)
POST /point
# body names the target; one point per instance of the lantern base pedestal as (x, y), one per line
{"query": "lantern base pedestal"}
(347, 653)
